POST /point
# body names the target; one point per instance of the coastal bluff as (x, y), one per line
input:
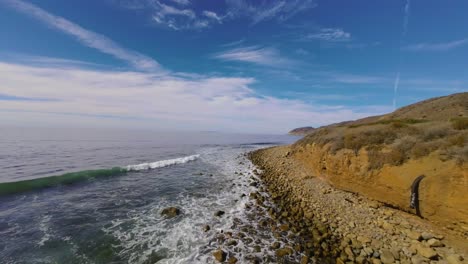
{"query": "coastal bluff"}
(375, 161)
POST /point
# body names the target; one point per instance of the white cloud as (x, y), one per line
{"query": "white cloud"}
(86, 37)
(265, 56)
(437, 46)
(146, 100)
(181, 18)
(182, 2)
(279, 10)
(330, 35)
(212, 15)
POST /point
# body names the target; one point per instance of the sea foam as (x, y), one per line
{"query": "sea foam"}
(161, 163)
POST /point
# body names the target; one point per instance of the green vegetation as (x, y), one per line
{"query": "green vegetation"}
(397, 123)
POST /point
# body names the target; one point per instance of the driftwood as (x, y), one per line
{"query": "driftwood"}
(414, 201)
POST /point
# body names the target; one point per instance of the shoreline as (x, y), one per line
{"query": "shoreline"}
(339, 226)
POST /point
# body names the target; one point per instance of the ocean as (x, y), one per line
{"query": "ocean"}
(96, 195)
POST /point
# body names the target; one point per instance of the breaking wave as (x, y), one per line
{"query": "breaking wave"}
(7, 188)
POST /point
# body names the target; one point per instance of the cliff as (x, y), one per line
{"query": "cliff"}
(300, 131)
(381, 156)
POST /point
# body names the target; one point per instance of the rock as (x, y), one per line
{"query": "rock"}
(426, 235)
(232, 243)
(413, 235)
(387, 256)
(284, 227)
(418, 260)
(454, 259)
(283, 252)
(171, 212)
(304, 260)
(232, 260)
(275, 245)
(376, 261)
(349, 252)
(435, 243)
(219, 213)
(206, 228)
(426, 252)
(220, 255)
(363, 240)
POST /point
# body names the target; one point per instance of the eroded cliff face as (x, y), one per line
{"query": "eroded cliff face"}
(443, 192)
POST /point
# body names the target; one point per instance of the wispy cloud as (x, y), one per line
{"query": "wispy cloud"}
(86, 37)
(406, 17)
(329, 35)
(437, 46)
(212, 15)
(234, 43)
(266, 56)
(278, 10)
(395, 90)
(182, 2)
(176, 18)
(302, 52)
(146, 100)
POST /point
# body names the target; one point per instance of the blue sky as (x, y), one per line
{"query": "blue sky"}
(244, 66)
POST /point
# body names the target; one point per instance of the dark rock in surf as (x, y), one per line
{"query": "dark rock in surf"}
(206, 228)
(171, 212)
(220, 255)
(219, 213)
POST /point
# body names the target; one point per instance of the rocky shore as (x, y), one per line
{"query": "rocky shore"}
(316, 223)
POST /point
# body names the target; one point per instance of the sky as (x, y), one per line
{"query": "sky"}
(225, 65)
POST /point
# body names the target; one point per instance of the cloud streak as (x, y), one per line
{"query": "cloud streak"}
(86, 37)
(265, 56)
(278, 10)
(437, 46)
(146, 100)
(407, 13)
(329, 35)
(395, 89)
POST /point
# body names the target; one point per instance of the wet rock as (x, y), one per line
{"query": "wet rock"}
(283, 252)
(232, 260)
(219, 213)
(275, 245)
(206, 228)
(232, 243)
(170, 212)
(220, 255)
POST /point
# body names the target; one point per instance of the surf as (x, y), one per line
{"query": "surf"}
(8, 188)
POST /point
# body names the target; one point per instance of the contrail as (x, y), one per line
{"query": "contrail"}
(395, 90)
(406, 17)
(403, 34)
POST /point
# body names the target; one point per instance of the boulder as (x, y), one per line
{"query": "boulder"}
(219, 213)
(219, 255)
(171, 212)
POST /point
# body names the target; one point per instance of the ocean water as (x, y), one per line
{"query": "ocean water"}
(95, 196)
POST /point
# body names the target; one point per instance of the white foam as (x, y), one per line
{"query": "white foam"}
(161, 163)
(44, 228)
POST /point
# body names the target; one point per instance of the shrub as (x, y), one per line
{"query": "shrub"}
(460, 123)
(436, 132)
(419, 150)
(457, 140)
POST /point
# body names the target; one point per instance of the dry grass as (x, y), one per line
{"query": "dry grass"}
(394, 142)
(460, 123)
